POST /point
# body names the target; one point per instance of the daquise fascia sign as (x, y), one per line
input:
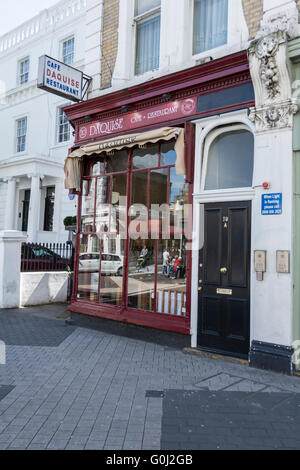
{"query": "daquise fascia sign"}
(61, 79)
(158, 114)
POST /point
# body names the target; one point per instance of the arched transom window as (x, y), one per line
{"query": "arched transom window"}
(229, 159)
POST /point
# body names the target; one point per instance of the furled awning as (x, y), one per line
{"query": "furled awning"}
(74, 159)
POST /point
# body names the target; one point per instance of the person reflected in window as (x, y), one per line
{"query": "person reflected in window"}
(165, 268)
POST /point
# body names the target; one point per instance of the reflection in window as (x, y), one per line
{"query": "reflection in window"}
(230, 161)
(145, 158)
(156, 248)
(88, 269)
(210, 24)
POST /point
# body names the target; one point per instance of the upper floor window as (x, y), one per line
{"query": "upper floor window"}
(63, 127)
(210, 24)
(23, 71)
(21, 135)
(68, 49)
(147, 19)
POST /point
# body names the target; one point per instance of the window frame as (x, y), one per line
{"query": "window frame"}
(137, 20)
(206, 52)
(20, 75)
(207, 145)
(64, 41)
(59, 124)
(89, 176)
(17, 137)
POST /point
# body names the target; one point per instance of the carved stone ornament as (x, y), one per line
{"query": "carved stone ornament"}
(265, 50)
(284, 21)
(277, 116)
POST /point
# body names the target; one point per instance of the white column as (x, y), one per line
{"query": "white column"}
(34, 208)
(10, 264)
(10, 205)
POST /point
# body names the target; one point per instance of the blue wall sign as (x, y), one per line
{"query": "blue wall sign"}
(271, 204)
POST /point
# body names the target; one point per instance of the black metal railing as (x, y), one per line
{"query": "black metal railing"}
(36, 257)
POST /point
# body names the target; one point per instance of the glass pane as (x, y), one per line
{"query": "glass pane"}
(118, 210)
(139, 188)
(112, 260)
(159, 211)
(111, 279)
(147, 45)
(97, 168)
(171, 277)
(210, 24)
(145, 158)
(88, 205)
(117, 162)
(230, 161)
(141, 274)
(88, 271)
(102, 204)
(141, 6)
(171, 257)
(168, 154)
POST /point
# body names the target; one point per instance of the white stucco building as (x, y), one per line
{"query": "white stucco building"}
(35, 134)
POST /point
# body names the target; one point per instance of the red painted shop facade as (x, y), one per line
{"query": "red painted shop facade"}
(133, 159)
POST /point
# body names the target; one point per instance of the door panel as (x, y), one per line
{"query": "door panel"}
(224, 278)
(237, 247)
(213, 250)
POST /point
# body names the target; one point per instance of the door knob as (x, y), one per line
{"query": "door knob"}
(223, 270)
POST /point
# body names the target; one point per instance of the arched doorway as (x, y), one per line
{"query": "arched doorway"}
(224, 255)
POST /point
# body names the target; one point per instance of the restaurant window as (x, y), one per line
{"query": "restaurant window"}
(23, 73)
(21, 131)
(133, 224)
(68, 51)
(210, 24)
(147, 21)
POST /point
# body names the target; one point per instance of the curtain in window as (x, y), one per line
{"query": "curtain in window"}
(148, 45)
(210, 24)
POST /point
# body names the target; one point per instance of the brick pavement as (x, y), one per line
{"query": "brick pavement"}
(94, 390)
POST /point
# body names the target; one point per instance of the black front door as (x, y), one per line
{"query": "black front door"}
(224, 278)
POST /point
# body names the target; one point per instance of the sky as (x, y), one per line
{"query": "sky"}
(15, 12)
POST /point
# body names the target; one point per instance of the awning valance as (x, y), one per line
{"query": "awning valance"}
(73, 161)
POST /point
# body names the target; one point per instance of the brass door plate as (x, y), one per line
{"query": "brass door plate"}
(224, 291)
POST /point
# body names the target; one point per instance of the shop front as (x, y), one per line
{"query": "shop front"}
(150, 249)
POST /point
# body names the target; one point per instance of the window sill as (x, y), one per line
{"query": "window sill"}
(61, 144)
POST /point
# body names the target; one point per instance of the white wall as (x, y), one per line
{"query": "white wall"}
(43, 288)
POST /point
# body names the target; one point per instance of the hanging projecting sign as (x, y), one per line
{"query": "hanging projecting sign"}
(61, 79)
(272, 204)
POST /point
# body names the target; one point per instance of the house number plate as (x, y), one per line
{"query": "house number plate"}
(224, 291)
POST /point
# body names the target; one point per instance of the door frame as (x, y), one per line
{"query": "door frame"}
(204, 128)
(236, 195)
